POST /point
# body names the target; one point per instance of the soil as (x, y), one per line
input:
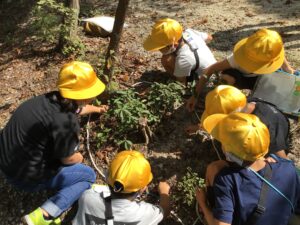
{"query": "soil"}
(28, 68)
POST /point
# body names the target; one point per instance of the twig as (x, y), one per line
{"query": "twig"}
(150, 133)
(89, 151)
(199, 217)
(143, 129)
(172, 213)
(139, 83)
(143, 124)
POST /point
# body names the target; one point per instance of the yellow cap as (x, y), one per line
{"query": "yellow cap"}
(131, 169)
(165, 32)
(223, 99)
(241, 134)
(78, 80)
(261, 53)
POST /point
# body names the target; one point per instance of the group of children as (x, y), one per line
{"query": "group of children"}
(254, 184)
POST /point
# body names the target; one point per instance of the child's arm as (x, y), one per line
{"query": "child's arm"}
(287, 67)
(201, 200)
(73, 159)
(208, 38)
(216, 67)
(164, 190)
(88, 109)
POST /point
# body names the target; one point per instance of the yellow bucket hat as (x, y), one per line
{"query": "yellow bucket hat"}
(223, 99)
(165, 32)
(261, 53)
(78, 80)
(241, 134)
(131, 169)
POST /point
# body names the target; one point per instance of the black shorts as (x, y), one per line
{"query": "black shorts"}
(241, 82)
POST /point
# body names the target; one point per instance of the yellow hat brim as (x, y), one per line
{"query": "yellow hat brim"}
(211, 122)
(203, 117)
(151, 45)
(96, 89)
(252, 66)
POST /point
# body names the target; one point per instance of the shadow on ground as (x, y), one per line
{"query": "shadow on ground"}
(223, 38)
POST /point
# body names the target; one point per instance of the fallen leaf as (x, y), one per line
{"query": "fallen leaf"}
(249, 14)
(125, 77)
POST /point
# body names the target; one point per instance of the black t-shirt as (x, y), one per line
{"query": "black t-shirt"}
(276, 122)
(37, 136)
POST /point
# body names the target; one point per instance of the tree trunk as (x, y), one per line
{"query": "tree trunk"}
(69, 34)
(115, 37)
(74, 5)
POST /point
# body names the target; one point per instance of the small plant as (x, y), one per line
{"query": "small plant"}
(102, 136)
(164, 98)
(187, 187)
(130, 113)
(125, 111)
(125, 144)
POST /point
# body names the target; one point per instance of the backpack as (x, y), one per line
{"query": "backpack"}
(281, 89)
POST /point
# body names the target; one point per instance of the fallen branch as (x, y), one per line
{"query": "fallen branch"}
(175, 216)
(89, 151)
(143, 125)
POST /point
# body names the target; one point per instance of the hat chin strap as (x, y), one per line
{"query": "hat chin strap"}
(172, 48)
(170, 51)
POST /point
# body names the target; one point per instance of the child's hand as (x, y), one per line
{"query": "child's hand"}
(201, 196)
(88, 109)
(103, 108)
(163, 188)
(290, 70)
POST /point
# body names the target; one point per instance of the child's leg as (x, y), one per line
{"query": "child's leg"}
(168, 62)
(71, 182)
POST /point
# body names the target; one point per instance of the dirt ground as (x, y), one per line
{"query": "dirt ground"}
(26, 70)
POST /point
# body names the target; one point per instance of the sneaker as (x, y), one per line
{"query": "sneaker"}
(36, 218)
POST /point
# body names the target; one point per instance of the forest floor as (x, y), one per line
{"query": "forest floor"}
(26, 70)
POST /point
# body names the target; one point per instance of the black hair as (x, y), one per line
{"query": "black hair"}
(67, 105)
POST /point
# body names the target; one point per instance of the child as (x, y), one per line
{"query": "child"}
(258, 54)
(129, 175)
(247, 188)
(38, 146)
(185, 54)
(226, 99)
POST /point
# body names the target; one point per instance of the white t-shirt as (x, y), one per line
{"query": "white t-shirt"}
(234, 65)
(185, 59)
(125, 212)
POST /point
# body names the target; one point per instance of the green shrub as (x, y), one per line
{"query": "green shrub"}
(163, 98)
(127, 109)
(187, 187)
(52, 23)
